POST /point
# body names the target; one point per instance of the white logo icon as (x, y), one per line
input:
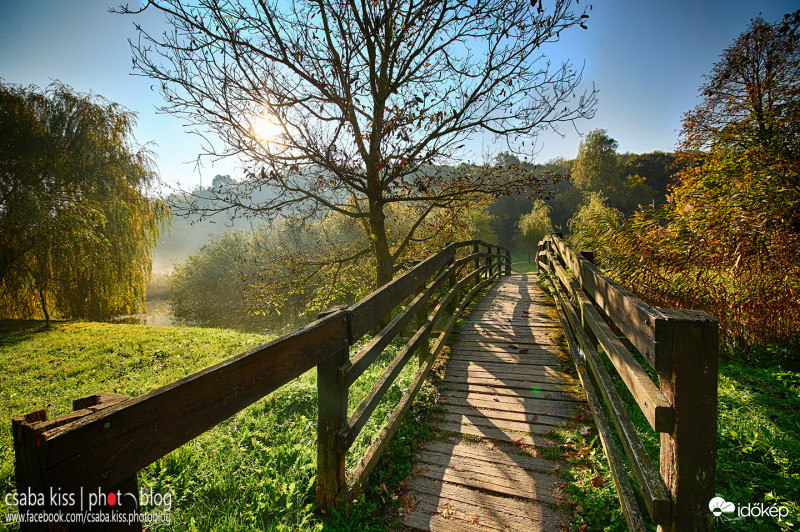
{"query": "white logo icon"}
(718, 505)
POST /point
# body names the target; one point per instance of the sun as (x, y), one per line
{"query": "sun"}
(266, 128)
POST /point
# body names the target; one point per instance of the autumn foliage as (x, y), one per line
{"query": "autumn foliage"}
(728, 242)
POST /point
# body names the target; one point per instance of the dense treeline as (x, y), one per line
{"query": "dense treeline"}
(625, 181)
(264, 275)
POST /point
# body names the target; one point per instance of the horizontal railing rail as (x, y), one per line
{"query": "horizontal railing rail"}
(682, 347)
(108, 438)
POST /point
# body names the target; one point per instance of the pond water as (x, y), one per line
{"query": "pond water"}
(158, 314)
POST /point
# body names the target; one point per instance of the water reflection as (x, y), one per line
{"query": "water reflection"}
(158, 314)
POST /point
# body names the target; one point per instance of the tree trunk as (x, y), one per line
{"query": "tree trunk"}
(43, 301)
(384, 270)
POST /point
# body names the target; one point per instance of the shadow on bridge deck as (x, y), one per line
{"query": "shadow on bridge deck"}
(504, 390)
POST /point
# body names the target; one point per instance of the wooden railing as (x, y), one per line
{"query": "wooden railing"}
(599, 314)
(108, 438)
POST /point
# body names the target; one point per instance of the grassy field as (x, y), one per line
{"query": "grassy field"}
(256, 470)
(519, 264)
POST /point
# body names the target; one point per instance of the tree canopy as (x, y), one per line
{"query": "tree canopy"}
(77, 225)
(354, 107)
(595, 169)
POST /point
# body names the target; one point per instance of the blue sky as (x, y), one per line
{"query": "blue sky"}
(646, 58)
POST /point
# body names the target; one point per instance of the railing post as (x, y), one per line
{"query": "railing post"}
(332, 395)
(451, 282)
(31, 474)
(488, 260)
(688, 454)
(508, 262)
(475, 249)
(29, 468)
(422, 317)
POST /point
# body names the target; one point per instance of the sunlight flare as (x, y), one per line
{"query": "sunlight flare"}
(266, 128)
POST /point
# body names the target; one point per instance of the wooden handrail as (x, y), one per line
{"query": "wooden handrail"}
(682, 346)
(109, 438)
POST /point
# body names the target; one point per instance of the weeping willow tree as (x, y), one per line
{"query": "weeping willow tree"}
(77, 225)
(533, 227)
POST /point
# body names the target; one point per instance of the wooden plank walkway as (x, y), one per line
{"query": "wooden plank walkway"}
(504, 390)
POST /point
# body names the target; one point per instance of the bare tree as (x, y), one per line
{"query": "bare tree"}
(367, 99)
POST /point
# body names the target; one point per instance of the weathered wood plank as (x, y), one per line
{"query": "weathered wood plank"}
(499, 368)
(531, 392)
(535, 357)
(495, 382)
(487, 347)
(645, 326)
(524, 417)
(513, 514)
(493, 433)
(533, 486)
(509, 380)
(485, 453)
(536, 337)
(438, 523)
(558, 400)
(512, 471)
(492, 422)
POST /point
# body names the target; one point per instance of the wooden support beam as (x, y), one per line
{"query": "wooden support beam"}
(653, 490)
(332, 395)
(106, 447)
(627, 499)
(651, 401)
(688, 454)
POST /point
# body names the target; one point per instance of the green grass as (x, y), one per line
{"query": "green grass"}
(519, 264)
(257, 470)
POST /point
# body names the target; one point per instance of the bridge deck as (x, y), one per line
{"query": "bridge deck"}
(503, 390)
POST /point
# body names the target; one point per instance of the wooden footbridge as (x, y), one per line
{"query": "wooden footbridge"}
(504, 390)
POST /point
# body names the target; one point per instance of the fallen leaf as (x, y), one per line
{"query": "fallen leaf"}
(419, 470)
(523, 351)
(598, 482)
(447, 511)
(475, 519)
